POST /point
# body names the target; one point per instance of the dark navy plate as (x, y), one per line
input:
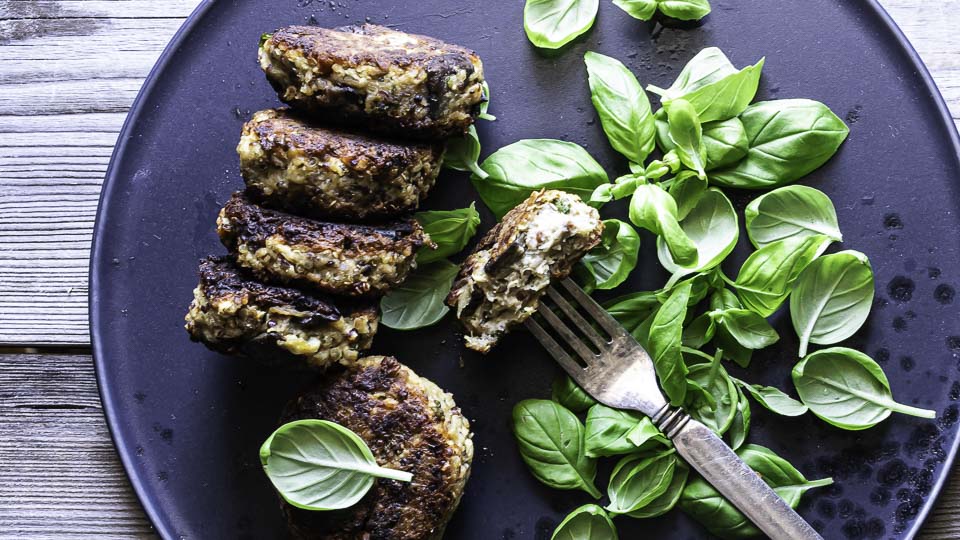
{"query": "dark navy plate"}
(187, 422)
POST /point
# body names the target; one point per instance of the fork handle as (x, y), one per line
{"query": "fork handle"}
(744, 488)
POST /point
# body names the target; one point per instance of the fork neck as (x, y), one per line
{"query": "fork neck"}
(670, 420)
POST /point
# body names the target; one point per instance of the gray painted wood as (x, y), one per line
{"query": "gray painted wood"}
(59, 121)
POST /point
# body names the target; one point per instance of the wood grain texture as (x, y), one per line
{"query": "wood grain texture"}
(59, 119)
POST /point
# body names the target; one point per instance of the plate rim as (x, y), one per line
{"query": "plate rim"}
(160, 520)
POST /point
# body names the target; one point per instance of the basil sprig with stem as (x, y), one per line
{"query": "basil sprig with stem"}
(848, 389)
(321, 465)
(551, 440)
(589, 522)
(622, 106)
(463, 152)
(418, 302)
(551, 24)
(686, 133)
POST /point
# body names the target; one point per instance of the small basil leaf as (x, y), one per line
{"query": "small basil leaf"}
(774, 399)
(419, 301)
(702, 502)
(589, 522)
(463, 152)
(612, 432)
(669, 498)
(766, 276)
(450, 230)
(832, 299)
(789, 139)
(320, 465)
(622, 105)
(740, 428)
(713, 86)
(749, 329)
(665, 342)
(517, 170)
(687, 188)
(637, 480)
(568, 393)
(732, 349)
(615, 257)
(687, 134)
(654, 209)
(638, 9)
(791, 212)
(713, 228)
(551, 24)
(723, 299)
(485, 104)
(847, 389)
(699, 332)
(715, 381)
(684, 10)
(726, 142)
(551, 440)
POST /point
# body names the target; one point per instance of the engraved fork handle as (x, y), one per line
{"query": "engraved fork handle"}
(744, 488)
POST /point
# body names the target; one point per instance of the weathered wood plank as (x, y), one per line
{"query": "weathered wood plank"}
(60, 476)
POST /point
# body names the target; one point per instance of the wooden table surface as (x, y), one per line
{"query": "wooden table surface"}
(69, 70)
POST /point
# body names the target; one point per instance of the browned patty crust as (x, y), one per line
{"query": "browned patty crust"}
(375, 77)
(291, 164)
(235, 314)
(353, 260)
(409, 424)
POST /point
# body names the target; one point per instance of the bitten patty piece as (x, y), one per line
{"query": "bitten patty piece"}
(235, 314)
(501, 282)
(375, 77)
(292, 165)
(409, 424)
(352, 260)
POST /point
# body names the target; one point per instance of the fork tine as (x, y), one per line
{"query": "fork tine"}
(577, 319)
(561, 328)
(598, 314)
(556, 351)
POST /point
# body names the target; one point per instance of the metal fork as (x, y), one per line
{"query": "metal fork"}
(617, 372)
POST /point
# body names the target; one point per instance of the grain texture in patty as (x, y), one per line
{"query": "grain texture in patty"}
(375, 77)
(352, 260)
(501, 282)
(409, 424)
(236, 314)
(291, 164)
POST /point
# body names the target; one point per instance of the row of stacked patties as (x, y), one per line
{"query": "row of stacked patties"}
(325, 225)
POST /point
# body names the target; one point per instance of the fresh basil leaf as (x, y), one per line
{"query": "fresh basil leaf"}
(687, 134)
(450, 230)
(791, 212)
(712, 227)
(517, 170)
(665, 341)
(766, 276)
(638, 9)
(615, 257)
(723, 299)
(684, 10)
(632, 309)
(612, 432)
(654, 209)
(847, 389)
(568, 393)
(551, 440)
(749, 329)
(419, 301)
(699, 332)
(705, 504)
(740, 428)
(669, 498)
(832, 298)
(463, 152)
(773, 399)
(732, 349)
(551, 24)
(713, 86)
(715, 381)
(726, 142)
(789, 139)
(622, 106)
(637, 480)
(589, 522)
(485, 104)
(320, 465)
(687, 189)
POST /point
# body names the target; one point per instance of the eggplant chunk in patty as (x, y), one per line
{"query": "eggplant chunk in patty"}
(501, 282)
(292, 165)
(352, 260)
(375, 77)
(409, 424)
(235, 314)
